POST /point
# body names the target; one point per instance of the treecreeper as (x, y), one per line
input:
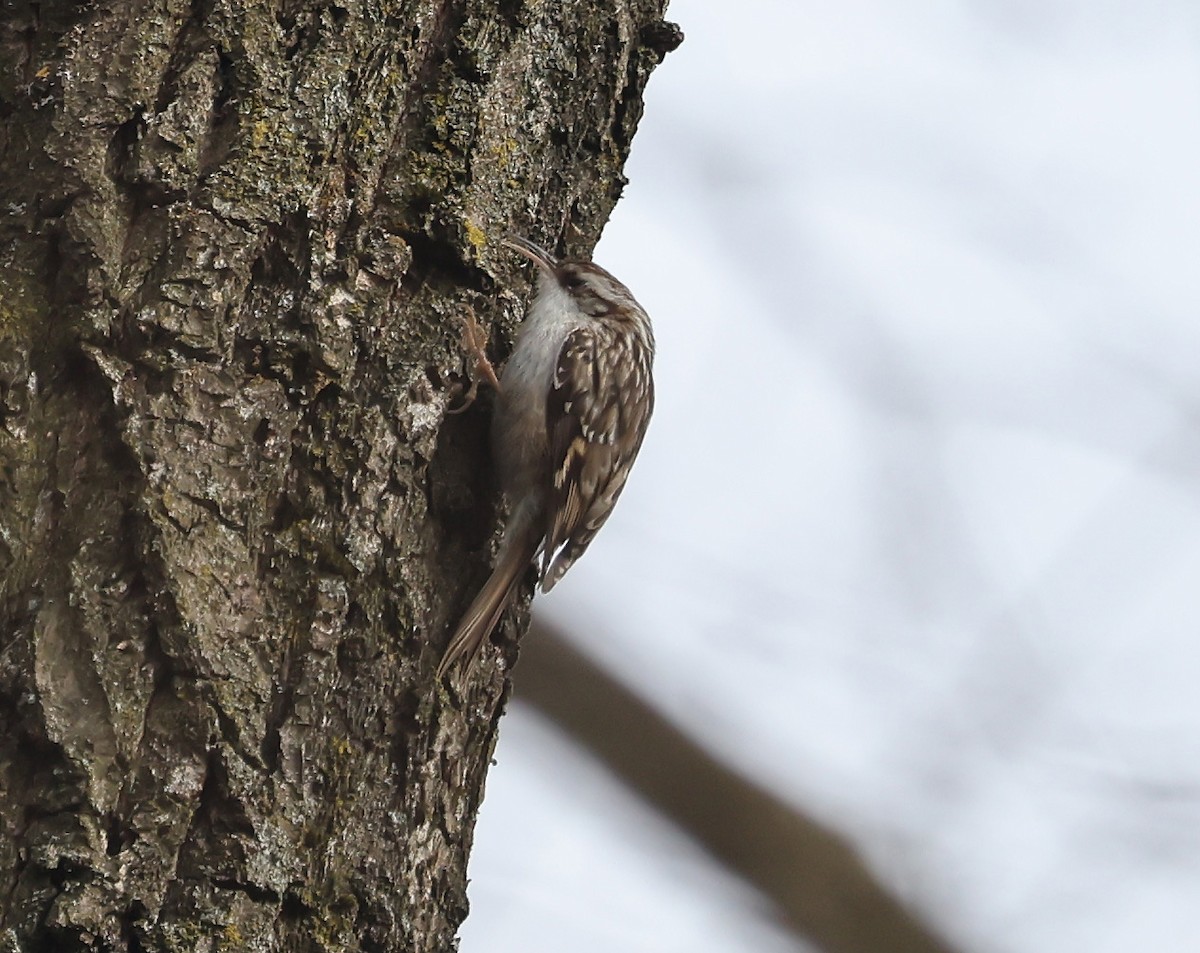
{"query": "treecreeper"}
(575, 400)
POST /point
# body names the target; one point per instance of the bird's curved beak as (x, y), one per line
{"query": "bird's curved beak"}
(535, 253)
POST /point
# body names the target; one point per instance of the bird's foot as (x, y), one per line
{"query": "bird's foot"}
(474, 342)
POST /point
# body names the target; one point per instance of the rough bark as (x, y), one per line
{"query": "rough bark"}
(236, 520)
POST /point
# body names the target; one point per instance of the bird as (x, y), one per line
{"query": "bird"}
(575, 399)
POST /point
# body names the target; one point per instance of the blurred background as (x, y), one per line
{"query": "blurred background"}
(912, 551)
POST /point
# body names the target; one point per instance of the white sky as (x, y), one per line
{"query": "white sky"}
(915, 535)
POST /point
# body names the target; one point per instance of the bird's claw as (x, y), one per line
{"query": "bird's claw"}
(474, 342)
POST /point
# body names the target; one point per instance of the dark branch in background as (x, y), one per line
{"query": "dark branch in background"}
(817, 881)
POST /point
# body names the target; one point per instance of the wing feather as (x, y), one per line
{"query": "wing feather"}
(596, 416)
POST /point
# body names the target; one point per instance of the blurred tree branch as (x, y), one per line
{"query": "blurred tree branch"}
(816, 879)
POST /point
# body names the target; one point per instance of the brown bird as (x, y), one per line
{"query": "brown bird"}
(575, 399)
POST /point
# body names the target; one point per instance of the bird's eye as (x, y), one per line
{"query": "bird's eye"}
(574, 282)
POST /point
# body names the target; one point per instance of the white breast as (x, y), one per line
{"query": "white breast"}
(552, 316)
(519, 438)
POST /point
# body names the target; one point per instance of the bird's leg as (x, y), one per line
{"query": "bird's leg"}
(474, 341)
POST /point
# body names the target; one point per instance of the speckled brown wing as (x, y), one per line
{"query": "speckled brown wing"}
(597, 411)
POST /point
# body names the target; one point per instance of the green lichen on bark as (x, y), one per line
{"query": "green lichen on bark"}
(235, 519)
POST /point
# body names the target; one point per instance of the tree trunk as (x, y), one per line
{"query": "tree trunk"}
(236, 521)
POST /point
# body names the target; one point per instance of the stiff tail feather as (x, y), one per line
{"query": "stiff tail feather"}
(487, 607)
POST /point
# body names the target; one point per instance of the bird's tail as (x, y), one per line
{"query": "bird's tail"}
(485, 610)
